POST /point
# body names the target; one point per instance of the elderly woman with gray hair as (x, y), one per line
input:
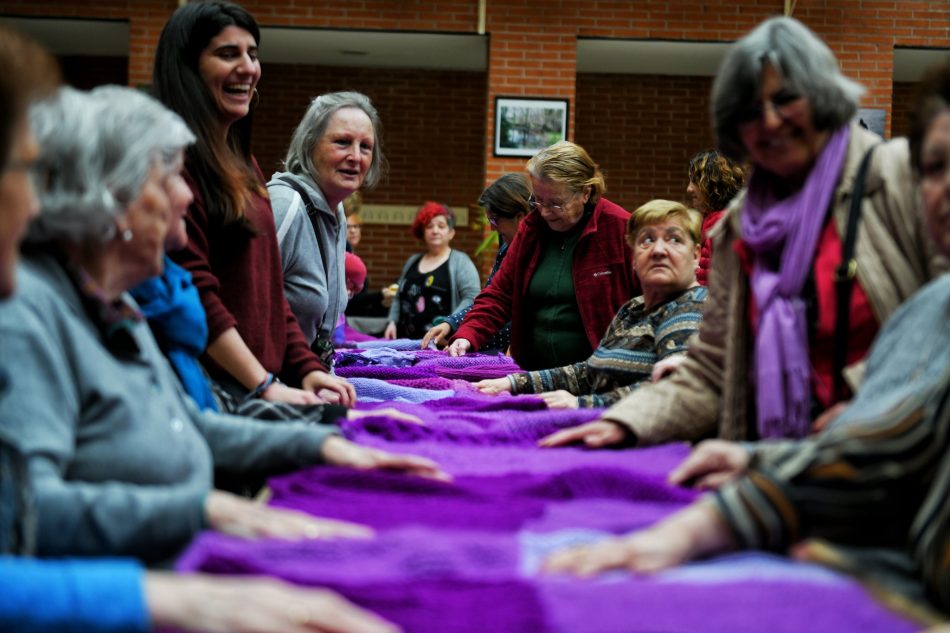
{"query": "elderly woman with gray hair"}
(794, 297)
(120, 460)
(334, 151)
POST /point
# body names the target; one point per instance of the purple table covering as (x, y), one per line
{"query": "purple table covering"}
(464, 557)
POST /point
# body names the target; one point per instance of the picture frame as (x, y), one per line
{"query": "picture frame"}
(526, 125)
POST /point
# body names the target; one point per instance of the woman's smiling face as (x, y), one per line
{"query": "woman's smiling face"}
(230, 69)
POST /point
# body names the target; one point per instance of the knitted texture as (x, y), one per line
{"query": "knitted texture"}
(464, 556)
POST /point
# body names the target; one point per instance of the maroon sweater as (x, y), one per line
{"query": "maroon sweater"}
(602, 271)
(240, 280)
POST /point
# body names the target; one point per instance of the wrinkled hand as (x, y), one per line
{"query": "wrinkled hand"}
(559, 399)
(388, 412)
(279, 392)
(692, 532)
(644, 552)
(493, 386)
(667, 366)
(437, 334)
(828, 416)
(341, 452)
(333, 388)
(596, 434)
(221, 604)
(241, 517)
(459, 347)
(712, 464)
(390, 331)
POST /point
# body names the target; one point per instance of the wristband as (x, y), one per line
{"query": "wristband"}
(259, 390)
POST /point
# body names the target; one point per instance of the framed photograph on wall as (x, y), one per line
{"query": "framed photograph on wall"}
(525, 125)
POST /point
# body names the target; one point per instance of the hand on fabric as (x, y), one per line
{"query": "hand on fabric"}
(711, 464)
(279, 392)
(390, 331)
(437, 334)
(459, 347)
(316, 381)
(688, 534)
(342, 452)
(559, 399)
(665, 367)
(388, 412)
(493, 386)
(596, 434)
(221, 604)
(237, 516)
(828, 416)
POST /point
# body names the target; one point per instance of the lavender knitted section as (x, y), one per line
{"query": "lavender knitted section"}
(464, 557)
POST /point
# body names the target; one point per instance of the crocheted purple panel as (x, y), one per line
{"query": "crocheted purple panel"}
(464, 557)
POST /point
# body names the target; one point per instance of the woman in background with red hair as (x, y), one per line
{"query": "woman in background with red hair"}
(434, 283)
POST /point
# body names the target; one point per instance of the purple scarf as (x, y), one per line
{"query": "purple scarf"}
(789, 228)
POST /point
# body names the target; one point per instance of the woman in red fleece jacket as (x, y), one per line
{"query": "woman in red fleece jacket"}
(714, 181)
(206, 70)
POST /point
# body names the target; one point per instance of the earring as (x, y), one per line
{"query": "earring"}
(127, 235)
(255, 99)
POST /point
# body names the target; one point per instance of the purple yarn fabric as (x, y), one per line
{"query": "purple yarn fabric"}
(464, 557)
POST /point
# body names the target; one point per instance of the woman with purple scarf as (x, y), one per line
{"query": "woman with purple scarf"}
(765, 363)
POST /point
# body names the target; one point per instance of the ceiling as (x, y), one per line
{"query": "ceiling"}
(443, 51)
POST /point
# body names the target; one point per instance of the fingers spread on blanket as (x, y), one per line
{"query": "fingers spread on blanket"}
(237, 516)
(597, 434)
(342, 452)
(711, 464)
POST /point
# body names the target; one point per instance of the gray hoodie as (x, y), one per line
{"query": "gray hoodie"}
(316, 292)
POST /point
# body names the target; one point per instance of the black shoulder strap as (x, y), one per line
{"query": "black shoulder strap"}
(844, 279)
(311, 213)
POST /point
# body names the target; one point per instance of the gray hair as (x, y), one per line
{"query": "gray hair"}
(97, 149)
(314, 124)
(807, 66)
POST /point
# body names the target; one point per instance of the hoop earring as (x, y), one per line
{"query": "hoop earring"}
(255, 99)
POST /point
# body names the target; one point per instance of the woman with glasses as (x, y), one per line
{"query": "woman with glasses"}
(434, 283)
(567, 273)
(771, 349)
(506, 204)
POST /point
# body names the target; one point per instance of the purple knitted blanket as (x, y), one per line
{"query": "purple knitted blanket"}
(463, 557)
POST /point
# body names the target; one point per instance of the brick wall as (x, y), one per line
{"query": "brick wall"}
(642, 130)
(438, 126)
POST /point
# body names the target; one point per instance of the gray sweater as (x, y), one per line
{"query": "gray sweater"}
(316, 293)
(119, 458)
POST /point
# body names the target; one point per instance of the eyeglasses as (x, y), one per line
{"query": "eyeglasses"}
(781, 103)
(557, 208)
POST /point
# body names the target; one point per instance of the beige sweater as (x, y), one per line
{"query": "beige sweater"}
(710, 394)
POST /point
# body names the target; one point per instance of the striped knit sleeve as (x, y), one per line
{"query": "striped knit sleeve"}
(572, 378)
(859, 484)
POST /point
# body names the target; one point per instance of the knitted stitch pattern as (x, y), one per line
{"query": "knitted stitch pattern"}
(464, 557)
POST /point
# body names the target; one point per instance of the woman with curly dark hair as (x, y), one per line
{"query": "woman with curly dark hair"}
(714, 181)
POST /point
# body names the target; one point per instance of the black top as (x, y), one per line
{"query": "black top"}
(422, 298)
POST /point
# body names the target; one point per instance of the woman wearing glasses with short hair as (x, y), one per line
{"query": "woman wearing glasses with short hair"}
(764, 364)
(568, 270)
